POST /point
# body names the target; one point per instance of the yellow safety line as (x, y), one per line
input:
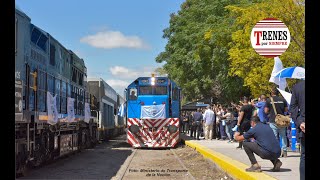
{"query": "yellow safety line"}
(235, 168)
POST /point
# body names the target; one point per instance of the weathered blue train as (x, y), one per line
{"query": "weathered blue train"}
(79, 113)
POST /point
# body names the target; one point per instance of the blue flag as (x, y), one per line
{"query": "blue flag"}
(121, 110)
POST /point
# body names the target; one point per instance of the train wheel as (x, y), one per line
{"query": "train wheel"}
(21, 164)
(84, 138)
(21, 171)
(87, 142)
(41, 152)
(38, 156)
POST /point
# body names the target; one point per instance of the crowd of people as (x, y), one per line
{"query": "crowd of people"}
(220, 120)
(249, 123)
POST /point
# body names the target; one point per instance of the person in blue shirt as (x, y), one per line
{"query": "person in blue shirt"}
(260, 105)
(261, 141)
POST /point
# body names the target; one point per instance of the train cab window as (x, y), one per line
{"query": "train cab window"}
(145, 90)
(133, 94)
(35, 34)
(42, 42)
(160, 90)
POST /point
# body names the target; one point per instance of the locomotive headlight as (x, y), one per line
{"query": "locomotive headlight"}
(153, 81)
(134, 128)
(172, 129)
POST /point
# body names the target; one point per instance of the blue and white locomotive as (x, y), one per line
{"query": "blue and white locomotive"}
(153, 111)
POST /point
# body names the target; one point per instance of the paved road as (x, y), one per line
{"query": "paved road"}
(101, 162)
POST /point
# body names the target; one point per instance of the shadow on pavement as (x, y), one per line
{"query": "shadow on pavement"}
(185, 137)
(281, 170)
(293, 156)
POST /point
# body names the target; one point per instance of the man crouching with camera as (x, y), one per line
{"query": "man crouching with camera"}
(261, 141)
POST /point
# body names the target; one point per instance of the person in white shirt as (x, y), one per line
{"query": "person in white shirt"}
(208, 122)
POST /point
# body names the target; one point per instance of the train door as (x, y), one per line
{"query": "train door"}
(175, 101)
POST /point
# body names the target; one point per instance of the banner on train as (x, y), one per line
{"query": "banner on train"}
(70, 109)
(52, 109)
(153, 111)
(87, 112)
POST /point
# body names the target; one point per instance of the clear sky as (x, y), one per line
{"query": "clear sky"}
(118, 39)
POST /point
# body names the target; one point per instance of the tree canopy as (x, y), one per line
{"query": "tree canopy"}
(209, 53)
(249, 65)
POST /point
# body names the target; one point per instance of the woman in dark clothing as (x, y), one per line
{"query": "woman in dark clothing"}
(244, 118)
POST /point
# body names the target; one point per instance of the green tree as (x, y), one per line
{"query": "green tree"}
(196, 54)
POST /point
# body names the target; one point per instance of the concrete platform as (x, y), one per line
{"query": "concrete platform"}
(235, 161)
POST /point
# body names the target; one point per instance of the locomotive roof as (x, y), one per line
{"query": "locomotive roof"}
(150, 77)
(20, 12)
(56, 41)
(162, 77)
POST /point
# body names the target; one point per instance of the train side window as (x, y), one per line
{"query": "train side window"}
(63, 97)
(57, 92)
(133, 94)
(175, 94)
(42, 91)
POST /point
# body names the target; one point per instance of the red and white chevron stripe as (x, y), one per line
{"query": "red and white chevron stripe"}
(153, 133)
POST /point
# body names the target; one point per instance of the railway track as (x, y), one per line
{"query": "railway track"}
(154, 164)
(117, 160)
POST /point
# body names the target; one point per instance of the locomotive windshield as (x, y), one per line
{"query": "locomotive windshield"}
(150, 90)
(145, 90)
(160, 90)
